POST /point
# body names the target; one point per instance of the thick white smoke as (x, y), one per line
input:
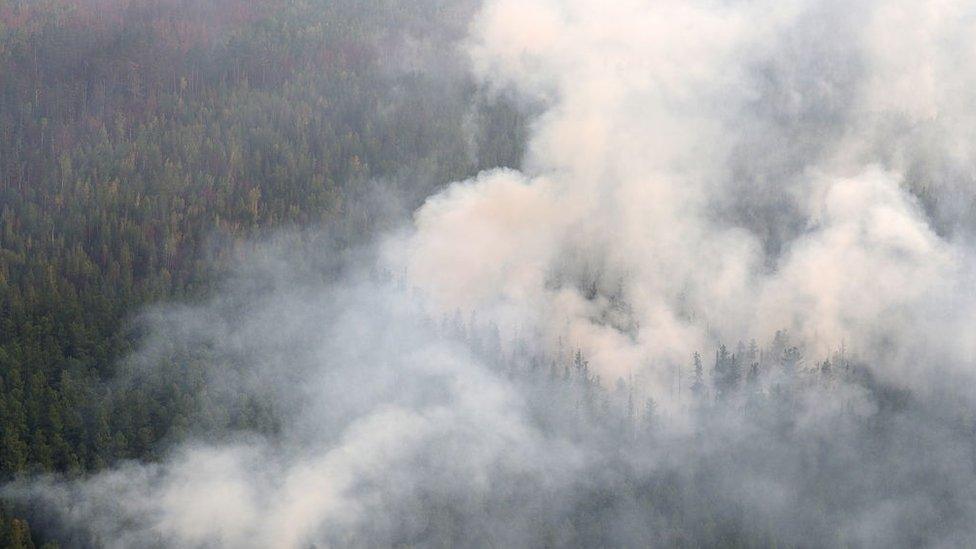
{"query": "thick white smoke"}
(723, 170)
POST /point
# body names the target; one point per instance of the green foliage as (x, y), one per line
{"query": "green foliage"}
(143, 143)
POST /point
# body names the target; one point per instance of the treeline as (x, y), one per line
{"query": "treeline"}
(753, 424)
(750, 377)
(823, 427)
(143, 142)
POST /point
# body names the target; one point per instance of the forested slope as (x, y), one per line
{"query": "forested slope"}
(142, 142)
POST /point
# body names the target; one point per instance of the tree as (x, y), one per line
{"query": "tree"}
(726, 373)
(649, 417)
(792, 359)
(752, 377)
(698, 385)
(752, 354)
(734, 374)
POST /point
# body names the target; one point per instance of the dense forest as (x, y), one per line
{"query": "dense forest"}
(486, 273)
(142, 143)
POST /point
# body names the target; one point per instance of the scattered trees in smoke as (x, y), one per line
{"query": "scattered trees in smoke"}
(821, 437)
(825, 428)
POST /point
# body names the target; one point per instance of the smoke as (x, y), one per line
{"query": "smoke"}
(726, 170)
(698, 172)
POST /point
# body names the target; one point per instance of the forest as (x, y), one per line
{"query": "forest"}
(438, 273)
(143, 143)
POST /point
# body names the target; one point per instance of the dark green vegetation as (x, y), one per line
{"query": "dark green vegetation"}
(142, 142)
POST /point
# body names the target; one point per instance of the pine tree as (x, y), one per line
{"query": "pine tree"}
(649, 419)
(698, 385)
(752, 377)
(791, 361)
(722, 371)
(734, 373)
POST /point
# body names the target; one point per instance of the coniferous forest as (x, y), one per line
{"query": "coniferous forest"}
(437, 273)
(145, 143)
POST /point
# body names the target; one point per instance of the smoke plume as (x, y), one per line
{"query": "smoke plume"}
(724, 170)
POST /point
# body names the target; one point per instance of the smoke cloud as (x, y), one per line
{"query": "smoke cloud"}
(726, 170)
